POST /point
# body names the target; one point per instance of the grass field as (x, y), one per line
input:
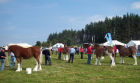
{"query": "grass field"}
(78, 72)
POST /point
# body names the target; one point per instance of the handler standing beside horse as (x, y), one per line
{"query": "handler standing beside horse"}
(46, 52)
(60, 52)
(2, 58)
(89, 52)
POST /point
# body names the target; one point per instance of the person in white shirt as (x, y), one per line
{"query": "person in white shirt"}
(72, 52)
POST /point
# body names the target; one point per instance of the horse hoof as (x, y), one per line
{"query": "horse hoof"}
(35, 70)
(134, 64)
(100, 64)
(17, 70)
(39, 69)
(112, 65)
(95, 64)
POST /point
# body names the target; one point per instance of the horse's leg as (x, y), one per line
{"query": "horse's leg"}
(64, 56)
(100, 60)
(113, 61)
(19, 65)
(135, 59)
(36, 66)
(96, 60)
(123, 59)
(40, 68)
(67, 57)
(112, 58)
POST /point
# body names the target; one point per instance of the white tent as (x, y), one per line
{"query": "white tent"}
(114, 42)
(57, 45)
(133, 43)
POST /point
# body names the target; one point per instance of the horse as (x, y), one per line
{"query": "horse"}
(102, 51)
(123, 51)
(65, 52)
(26, 53)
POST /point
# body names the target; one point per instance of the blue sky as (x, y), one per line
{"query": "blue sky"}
(32, 20)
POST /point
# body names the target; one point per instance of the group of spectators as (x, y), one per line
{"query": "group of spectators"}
(72, 52)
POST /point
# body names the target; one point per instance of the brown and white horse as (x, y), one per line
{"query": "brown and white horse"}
(102, 51)
(123, 51)
(26, 53)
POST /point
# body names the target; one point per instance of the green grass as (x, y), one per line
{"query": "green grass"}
(78, 72)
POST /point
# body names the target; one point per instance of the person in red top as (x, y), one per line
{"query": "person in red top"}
(114, 51)
(60, 51)
(81, 51)
(89, 52)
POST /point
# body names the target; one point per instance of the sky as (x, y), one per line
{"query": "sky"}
(28, 21)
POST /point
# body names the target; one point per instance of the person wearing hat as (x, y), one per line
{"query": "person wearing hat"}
(2, 59)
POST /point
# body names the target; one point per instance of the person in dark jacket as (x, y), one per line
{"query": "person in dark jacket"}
(2, 59)
(46, 52)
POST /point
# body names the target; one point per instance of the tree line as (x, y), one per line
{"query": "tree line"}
(122, 28)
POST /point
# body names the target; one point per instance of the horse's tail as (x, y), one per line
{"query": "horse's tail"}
(40, 58)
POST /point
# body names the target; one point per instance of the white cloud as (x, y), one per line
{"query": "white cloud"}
(3, 1)
(135, 5)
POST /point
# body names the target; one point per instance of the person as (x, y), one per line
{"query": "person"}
(60, 52)
(72, 52)
(114, 52)
(89, 52)
(12, 60)
(46, 52)
(2, 59)
(81, 51)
